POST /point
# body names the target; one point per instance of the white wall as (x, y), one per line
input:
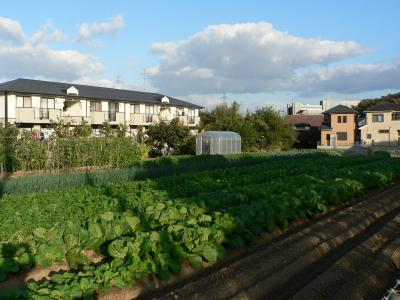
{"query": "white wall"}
(121, 107)
(36, 101)
(127, 111)
(59, 103)
(2, 104)
(104, 106)
(83, 108)
(12, 105)
(87, 108)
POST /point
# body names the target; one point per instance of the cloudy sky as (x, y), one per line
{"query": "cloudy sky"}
(256, 52)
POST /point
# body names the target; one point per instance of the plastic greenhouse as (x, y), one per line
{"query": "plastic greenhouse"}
(218, 142)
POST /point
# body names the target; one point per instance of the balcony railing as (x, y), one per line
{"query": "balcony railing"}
(112, 116)
(44, 113)
(148, 118)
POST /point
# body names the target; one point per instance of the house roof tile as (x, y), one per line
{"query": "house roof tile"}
(86, 91)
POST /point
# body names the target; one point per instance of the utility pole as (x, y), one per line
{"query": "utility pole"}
(224, 97)
(144, 79)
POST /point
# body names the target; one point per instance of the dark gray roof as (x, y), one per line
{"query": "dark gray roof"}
(340, 109)
(86, 91)
(385, 107)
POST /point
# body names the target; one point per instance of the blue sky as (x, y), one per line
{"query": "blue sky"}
(311, 50)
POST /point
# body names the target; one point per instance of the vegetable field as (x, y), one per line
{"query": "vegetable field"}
(143, 227)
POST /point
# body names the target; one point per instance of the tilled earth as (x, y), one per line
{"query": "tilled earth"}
(350, 253)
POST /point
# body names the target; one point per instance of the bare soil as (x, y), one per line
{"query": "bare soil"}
(351, 253)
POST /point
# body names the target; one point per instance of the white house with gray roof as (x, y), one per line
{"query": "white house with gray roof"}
(34, 104)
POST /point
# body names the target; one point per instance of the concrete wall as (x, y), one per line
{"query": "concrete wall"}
(372, 129)
(2, 106)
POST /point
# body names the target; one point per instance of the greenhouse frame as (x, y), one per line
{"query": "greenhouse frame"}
(218, 142)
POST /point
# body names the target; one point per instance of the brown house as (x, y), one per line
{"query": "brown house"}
(307, 127)
(339, 127)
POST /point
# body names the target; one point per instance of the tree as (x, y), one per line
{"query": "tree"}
(140, 135)
(367, 103)
(263, 129)
(227, 117)
(61, 128)
(273, 132)
(122, 129)
(174, 135)
(83, 130)
(106, 129)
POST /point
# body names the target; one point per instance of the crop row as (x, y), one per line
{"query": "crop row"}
(152, 232)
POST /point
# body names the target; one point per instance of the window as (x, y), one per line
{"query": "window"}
(342, 136)
(149, 109)
(384, 131)
(95, 106)
(135, 109)
(344, 119)
(396, 116)
(47, 103)
(339, 119)
(180, 112)
(377, 118)
(24, 101)
(368, 136)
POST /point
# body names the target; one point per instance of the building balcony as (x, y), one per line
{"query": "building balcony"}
(116, 118)
(144, 119)
(190, 121)
(34, 115)
(99, 117)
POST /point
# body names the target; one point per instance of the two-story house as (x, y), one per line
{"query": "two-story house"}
(339, 127)
(382, 125)
(34, 104)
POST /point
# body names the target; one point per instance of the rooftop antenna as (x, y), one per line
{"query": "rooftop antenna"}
(224, 97)
(144, 79)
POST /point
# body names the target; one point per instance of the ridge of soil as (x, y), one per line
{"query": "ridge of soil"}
(292, 265)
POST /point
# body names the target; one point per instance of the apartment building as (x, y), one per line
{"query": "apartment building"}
(34, 104)
(382, 125)
(338, 129)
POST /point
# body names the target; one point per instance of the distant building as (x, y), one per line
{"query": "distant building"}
(381, 125)
(308, 129)
(296, 108)
(339, 127)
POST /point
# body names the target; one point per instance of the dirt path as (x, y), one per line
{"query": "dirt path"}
(353, 253)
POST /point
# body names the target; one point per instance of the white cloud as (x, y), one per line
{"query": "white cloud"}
(11, 30)
(89, 33)
(241, 58)
(348, 79)
(31, 57)
(39, 61)
(48, 33)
